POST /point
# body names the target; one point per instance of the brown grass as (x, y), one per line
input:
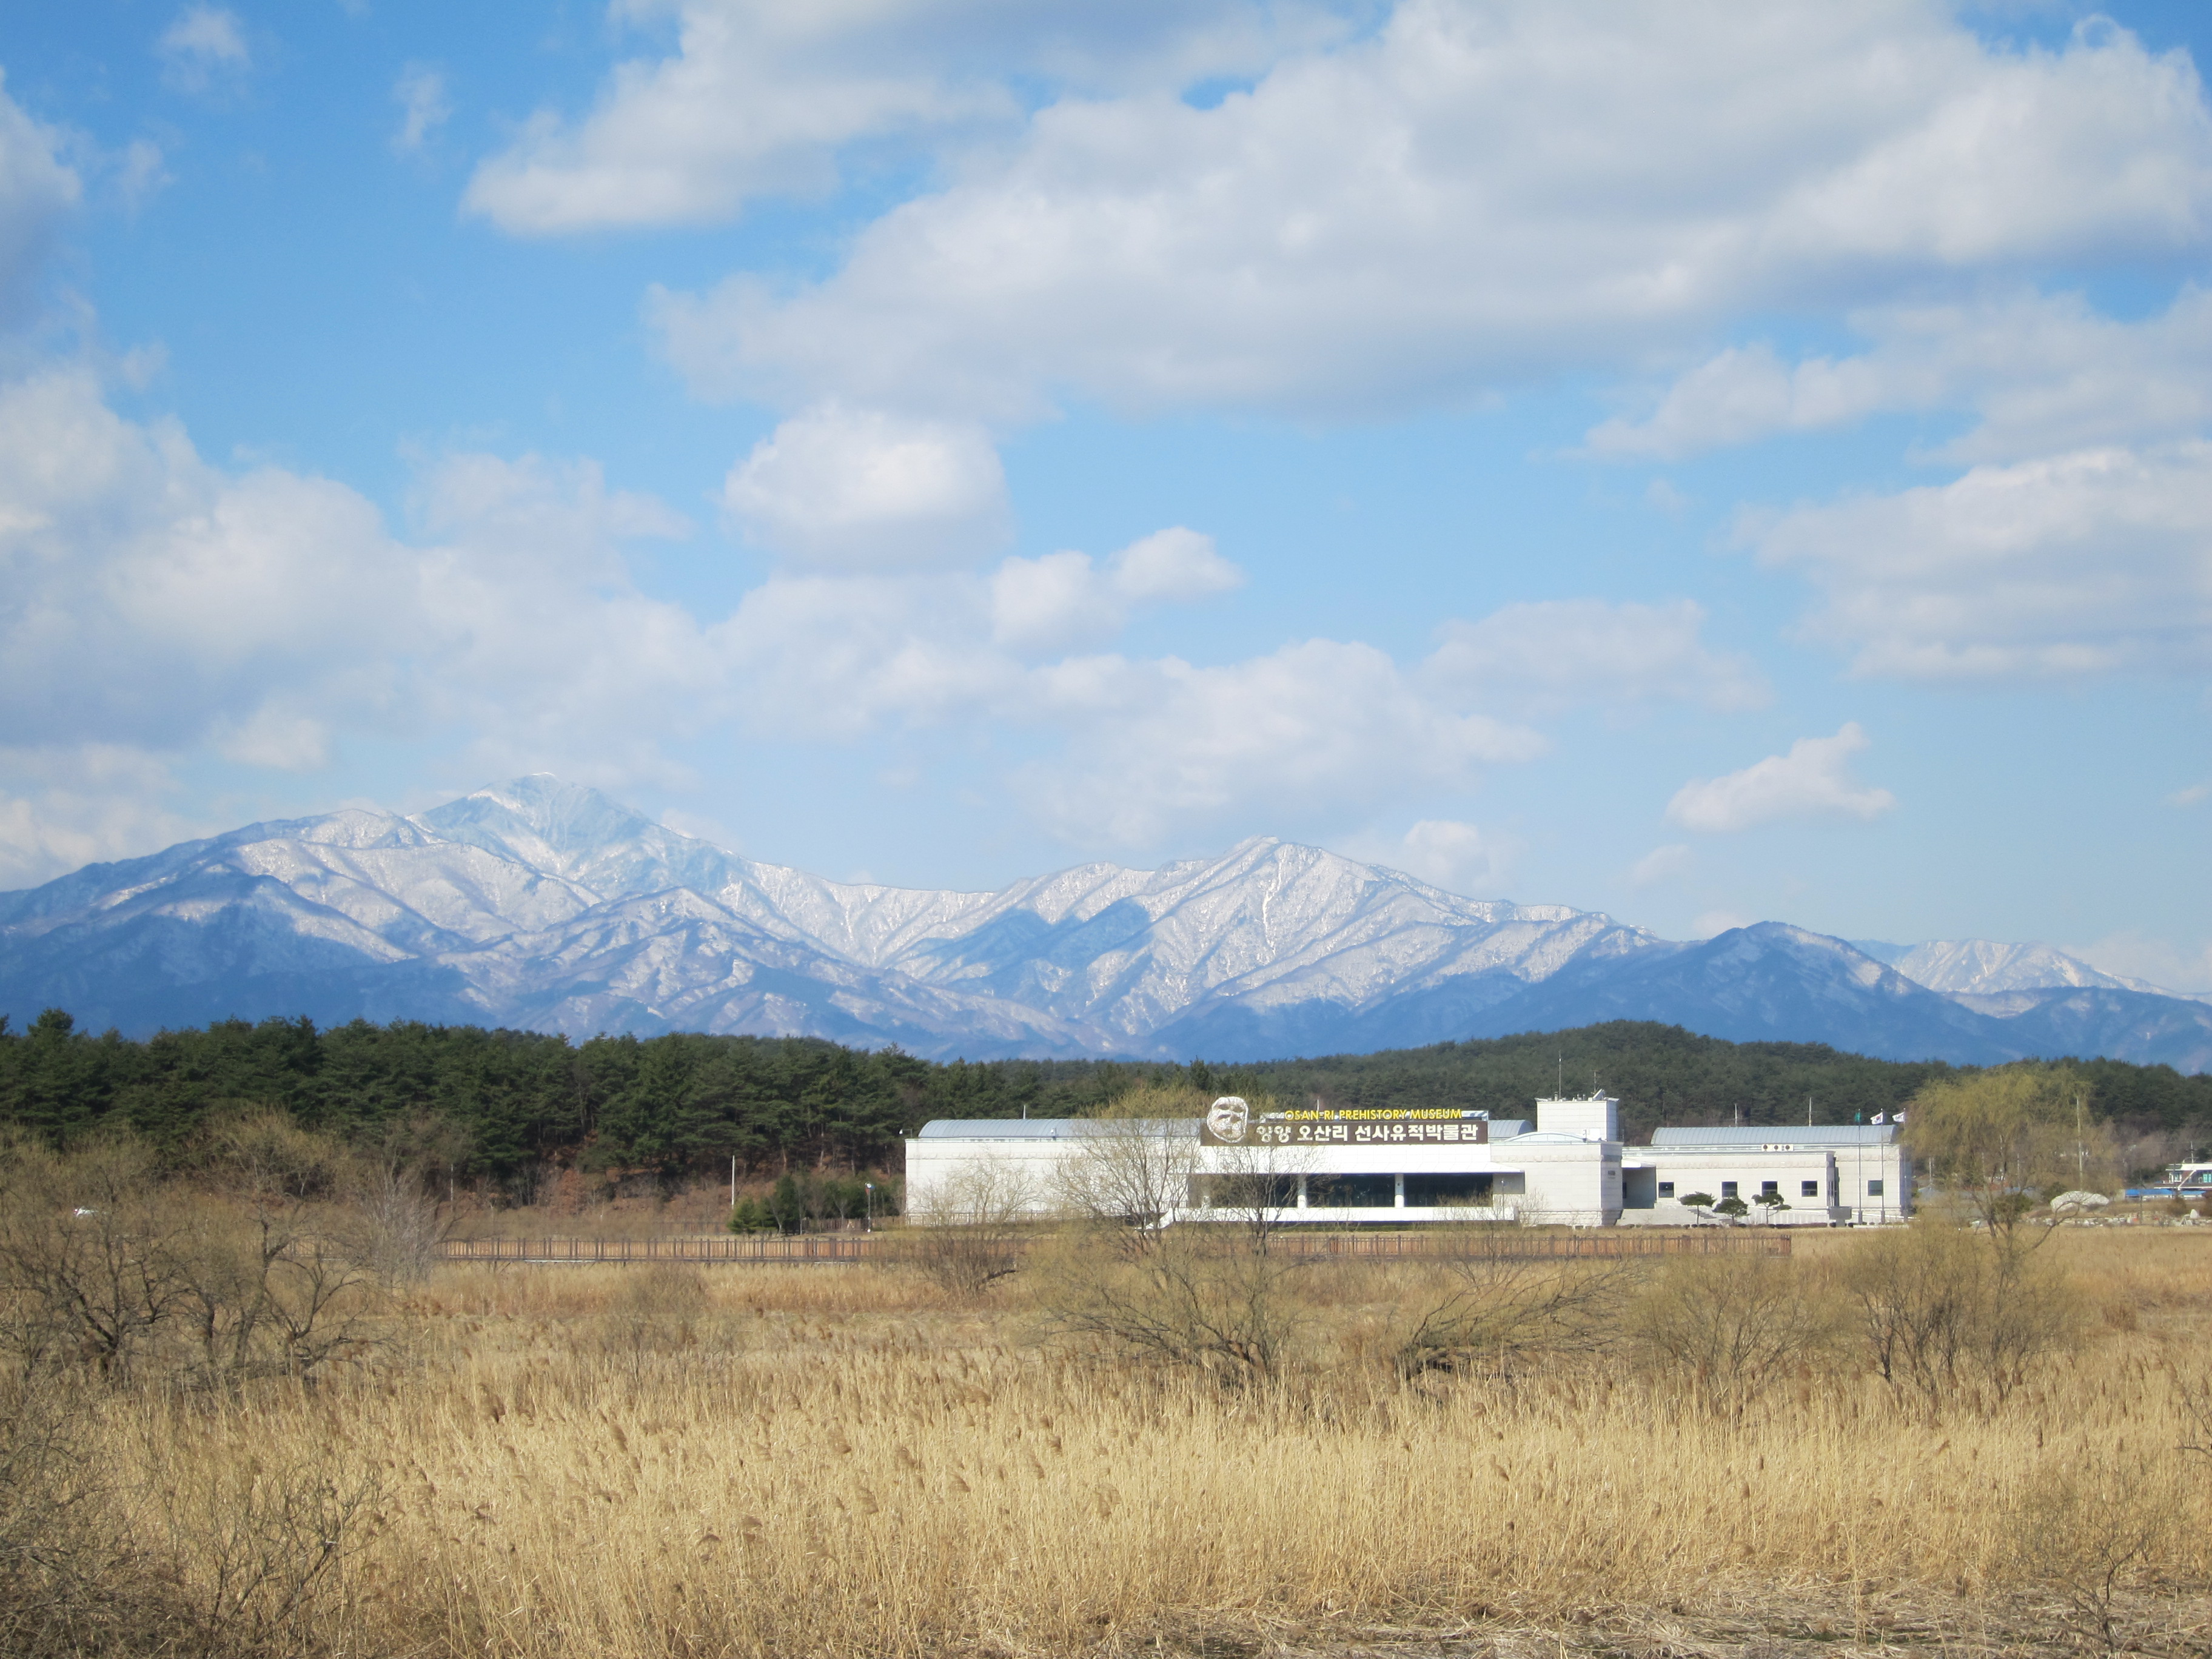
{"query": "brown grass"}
(840, 1459)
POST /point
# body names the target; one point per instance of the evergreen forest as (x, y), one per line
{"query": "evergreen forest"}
(502, 1107)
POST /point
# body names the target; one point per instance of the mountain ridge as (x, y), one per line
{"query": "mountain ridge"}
(551, 905)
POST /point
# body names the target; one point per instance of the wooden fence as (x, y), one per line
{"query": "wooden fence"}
(1437, 1244)
(1513, 1245)
(802, 1246)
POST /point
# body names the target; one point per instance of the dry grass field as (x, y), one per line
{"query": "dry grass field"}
(630, 1461)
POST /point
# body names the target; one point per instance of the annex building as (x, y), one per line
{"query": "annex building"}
(1349, 1167)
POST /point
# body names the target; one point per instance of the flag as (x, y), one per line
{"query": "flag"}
(1882, 1117)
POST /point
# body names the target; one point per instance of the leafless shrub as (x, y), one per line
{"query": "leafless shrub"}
(1942, 1311)
(1733, 1327)
(657, 1309)
(73, 1580)
(965, 1234)
(1504, 1311)
(2087, 1534)
(255, 1539)
(1205, 1300)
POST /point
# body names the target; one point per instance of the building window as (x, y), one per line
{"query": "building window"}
(1727, 1190)
(1809, 1189)
(1874, 1189)
(1769, 1190)
(1434, 1191)
(1666, 1189)
(1369, 1192)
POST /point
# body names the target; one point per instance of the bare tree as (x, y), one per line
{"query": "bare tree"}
(88, 1263)
(1130, 1174)
(398, 1225)
(270, 1289)
(1255, 1188)
(964, 1234)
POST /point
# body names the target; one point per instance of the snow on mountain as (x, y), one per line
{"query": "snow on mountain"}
(1982, 966)
(2128, 1024)
(1773, 982)
(543, 904)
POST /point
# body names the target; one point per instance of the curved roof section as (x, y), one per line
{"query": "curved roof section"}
(1049, 1128)
(1781, 1135)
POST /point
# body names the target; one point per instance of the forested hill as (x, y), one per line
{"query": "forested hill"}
(500, 1105)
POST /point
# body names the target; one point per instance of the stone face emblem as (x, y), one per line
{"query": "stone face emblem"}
(1227, 1118)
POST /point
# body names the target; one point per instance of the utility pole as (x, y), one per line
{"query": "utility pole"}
(733, 1182)
(2081, 1153)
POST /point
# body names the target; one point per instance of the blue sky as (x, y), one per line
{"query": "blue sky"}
(1705, 462)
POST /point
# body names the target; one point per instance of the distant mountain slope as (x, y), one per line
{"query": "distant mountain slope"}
(540, 904)
(1766, 983)
(1982, 966)
(2149, 1029)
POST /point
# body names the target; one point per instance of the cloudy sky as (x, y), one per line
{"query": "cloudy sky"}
(1702, 461)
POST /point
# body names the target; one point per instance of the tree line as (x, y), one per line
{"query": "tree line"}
(501, 1107)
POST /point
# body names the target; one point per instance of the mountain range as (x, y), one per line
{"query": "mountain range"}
(550, 906)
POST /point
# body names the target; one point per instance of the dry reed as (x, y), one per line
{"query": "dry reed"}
(837, 1460)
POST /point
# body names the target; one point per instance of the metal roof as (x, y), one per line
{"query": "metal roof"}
(1049, 1128)
(1781, 1135)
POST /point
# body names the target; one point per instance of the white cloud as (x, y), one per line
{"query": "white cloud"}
(1562, 653)
(1661, 864)
(2195, 794)
(62, 808)
(1052, 603)
(835, 657)
(424, 107)
(156, 609)
(1172, 564)
(760, 96)
(152, 604)
(37, 191)
(1460, 858)
(1063, 600)
(202, 44)
(843, 488)
(1399, 220)
(1813, 781)
(2044, 373)
(2081, 564)
(1317, 728)
(1711, 922)
(2131, 954)
(146, 594)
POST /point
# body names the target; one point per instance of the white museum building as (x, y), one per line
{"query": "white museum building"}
(1339, 1167)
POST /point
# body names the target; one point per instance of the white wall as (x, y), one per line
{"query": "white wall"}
(1535, 1178)
(1596, 1118)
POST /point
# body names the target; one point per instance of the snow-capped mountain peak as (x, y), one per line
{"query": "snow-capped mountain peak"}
(542, 903)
